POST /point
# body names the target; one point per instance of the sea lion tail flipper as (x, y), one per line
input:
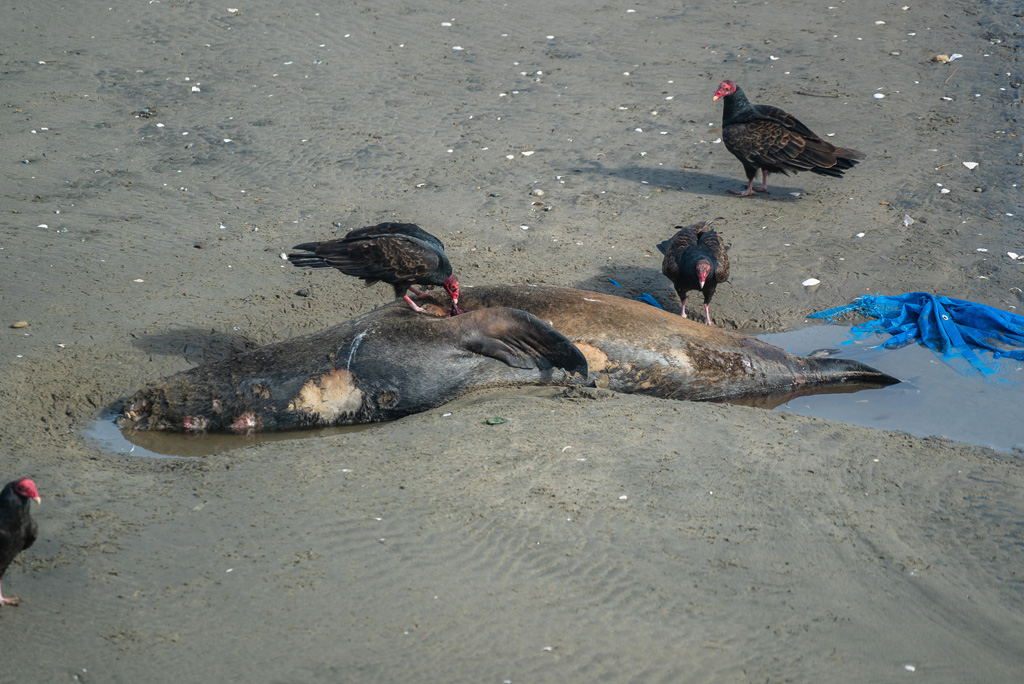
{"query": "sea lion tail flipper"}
(848, 371)
(519, 339)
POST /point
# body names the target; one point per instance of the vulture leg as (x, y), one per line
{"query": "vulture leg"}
(748, 192)
(764, 182)
(12, 601)
(413, 304)
(751, 189)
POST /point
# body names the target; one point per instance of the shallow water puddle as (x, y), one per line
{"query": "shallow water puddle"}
(933, 399)
(105, 432)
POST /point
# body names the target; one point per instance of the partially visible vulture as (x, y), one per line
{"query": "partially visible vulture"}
(695, 259)
(400, 254)
(767, 138)
(17, 528)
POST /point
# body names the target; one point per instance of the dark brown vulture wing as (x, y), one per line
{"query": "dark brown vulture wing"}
(712, 241)
(780, 142)
(394, 259)
(391, 228)
(684, 239)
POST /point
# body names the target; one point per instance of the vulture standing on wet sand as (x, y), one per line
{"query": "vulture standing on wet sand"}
(767, 138)
(695, 259)
(17, 528)
(400, 254)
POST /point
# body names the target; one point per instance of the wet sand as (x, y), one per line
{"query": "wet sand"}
(596, 537)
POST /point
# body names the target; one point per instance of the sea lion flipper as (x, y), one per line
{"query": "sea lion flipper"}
(519, 339)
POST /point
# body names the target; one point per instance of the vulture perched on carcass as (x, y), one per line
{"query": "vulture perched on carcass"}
(400, 254)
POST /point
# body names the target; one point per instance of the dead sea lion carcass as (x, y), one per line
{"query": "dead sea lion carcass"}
(392, 362)
(381, 365)
(645, 350)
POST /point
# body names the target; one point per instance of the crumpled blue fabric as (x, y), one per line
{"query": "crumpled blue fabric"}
(644, 297)
(953, 327)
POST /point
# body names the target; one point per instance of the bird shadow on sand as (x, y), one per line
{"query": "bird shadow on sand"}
(193, 344)
(685, 180)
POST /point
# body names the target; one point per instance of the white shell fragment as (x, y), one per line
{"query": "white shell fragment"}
(944, 191)
(1013, 255)
(907, 221)
(527, 153)
(955, 55)
(811, 282)
(971, 165)
(878, 96)
(981, 249)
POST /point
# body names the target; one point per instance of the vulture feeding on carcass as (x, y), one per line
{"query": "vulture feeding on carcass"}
(400, 254)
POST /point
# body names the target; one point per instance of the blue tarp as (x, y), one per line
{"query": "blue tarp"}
(644, 297)
(953, 327)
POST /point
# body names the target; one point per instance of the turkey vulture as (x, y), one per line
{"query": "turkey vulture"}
(767, 138)
(17, 528)
(695, 259)
(400, 254)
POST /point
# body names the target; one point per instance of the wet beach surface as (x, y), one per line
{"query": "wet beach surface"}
(159, 157)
